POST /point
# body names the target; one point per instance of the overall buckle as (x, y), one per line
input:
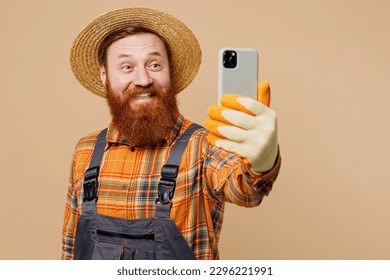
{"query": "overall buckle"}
(167, 184)
(90, 184)
(165, 191)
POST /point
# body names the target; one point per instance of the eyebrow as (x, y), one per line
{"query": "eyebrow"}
(149, 54)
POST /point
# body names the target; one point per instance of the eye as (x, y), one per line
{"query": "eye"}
(155, 66)
(126, 67)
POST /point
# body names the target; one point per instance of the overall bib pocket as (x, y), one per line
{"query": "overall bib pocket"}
(111, 245)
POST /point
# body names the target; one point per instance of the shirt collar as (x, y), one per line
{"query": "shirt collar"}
(114, 136)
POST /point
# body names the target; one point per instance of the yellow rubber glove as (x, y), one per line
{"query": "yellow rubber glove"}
(246, 127)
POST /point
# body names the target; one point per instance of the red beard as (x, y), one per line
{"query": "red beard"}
(143, 125)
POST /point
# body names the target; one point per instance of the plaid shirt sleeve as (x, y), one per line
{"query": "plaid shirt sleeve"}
(69, 227)
(229, 179)
(80, 160)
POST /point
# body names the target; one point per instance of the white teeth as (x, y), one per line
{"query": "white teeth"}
(143, 96)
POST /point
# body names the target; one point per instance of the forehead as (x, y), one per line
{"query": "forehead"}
(137, 44)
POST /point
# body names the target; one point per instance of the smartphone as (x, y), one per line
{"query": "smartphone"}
(238, 71)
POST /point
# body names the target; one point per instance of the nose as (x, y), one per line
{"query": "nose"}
(142, 77)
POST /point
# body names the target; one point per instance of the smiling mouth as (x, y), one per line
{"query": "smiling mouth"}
(142, 96)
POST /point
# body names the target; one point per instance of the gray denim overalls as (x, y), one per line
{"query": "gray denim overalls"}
(101, 237)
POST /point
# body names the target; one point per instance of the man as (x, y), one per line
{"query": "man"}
(139, 59)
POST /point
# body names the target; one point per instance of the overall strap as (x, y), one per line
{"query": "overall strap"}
(169, 172)
(91, 175)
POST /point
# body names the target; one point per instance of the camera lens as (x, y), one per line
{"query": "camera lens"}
(229, 59)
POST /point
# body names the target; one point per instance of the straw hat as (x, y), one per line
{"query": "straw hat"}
(186, 52)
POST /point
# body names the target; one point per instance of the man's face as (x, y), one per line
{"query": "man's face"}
(139, 94)
(137, 60)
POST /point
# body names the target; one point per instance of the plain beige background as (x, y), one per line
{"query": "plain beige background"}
(328, 63)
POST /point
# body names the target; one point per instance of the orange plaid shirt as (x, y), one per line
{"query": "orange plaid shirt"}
(208, 177)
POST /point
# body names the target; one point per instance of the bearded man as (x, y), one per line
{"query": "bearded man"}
(126, 200)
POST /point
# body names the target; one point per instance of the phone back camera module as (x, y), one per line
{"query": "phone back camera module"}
(229, 59)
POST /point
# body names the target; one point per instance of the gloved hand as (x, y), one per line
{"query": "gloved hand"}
(246, 127)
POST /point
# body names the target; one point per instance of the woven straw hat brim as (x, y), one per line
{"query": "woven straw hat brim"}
(185, 49)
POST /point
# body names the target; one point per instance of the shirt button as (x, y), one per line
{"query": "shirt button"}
(132, 149)
(124, 187)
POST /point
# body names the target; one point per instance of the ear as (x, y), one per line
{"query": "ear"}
(103, 74)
